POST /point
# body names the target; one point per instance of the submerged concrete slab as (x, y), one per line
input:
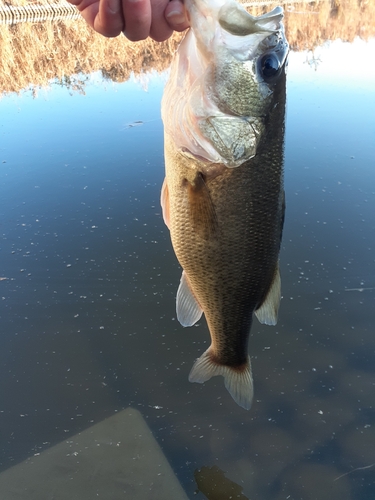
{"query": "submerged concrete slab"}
(117, 458)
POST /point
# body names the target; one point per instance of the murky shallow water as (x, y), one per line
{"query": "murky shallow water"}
(88, 323)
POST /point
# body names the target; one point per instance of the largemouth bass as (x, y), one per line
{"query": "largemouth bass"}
(223, 200)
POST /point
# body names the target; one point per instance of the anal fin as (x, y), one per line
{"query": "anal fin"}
(267, 312)
(187, 307)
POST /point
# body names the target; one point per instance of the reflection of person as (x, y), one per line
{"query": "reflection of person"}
(137, 19)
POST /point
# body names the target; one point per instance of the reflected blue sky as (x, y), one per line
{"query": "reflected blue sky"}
(76, 123)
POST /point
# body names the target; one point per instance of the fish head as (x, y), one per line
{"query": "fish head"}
(225, 81)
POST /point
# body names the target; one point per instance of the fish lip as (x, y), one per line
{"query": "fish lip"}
(243, 23)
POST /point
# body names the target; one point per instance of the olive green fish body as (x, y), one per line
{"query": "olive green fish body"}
(224, 207)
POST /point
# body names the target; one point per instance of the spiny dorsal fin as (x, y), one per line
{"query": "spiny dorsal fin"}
(187, 307)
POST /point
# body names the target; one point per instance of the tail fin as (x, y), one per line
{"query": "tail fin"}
(238, 382)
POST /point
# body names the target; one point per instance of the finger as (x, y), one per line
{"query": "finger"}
(137, 15)
(104, 16)
(176, 16)
(109, 21)
(160, 29)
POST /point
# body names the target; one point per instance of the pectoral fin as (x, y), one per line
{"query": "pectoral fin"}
(267, 312)
(164, 201)
(187, 307)
(201, 208)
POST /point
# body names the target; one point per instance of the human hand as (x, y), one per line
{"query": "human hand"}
(137, 19)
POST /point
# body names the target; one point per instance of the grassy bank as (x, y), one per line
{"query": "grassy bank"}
(33, 54)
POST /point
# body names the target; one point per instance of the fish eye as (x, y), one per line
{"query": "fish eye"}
(269, 67)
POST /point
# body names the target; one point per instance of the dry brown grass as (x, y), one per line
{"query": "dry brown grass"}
(310, 24)
(321, 21)
(34, 54)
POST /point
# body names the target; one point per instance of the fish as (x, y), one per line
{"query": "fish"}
(223, 111)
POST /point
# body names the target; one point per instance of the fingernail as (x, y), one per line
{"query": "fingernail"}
(176, 16)
(113, 6)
